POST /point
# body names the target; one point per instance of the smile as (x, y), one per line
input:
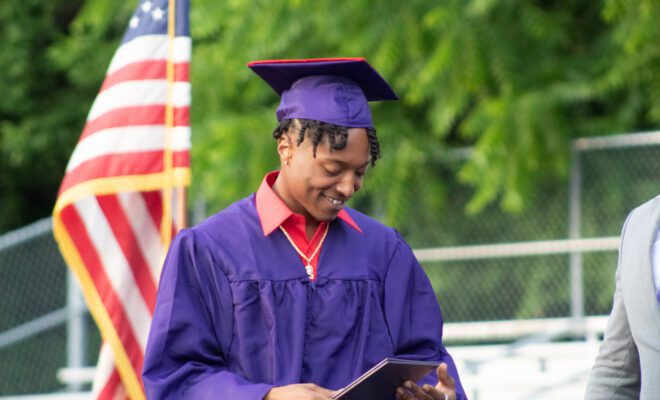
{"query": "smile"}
(334, 201)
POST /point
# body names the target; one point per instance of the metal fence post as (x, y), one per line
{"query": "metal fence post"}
(199, 210)
(76, 338)
(575, 217)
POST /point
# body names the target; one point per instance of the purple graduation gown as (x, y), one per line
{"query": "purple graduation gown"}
(237, 315)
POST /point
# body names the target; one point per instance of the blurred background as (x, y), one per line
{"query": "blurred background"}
(525, 133)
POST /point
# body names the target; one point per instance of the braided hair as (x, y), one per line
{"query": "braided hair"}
(337, 135)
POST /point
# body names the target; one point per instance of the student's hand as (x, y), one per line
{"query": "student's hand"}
(299, 391)
(444, 390)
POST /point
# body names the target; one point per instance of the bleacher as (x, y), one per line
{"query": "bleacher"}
(537, 365)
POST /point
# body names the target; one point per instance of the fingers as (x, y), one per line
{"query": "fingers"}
(444, 379)
(410, 391)
(417, 392)
(438, 394)
(446, 388)
(321, 391)
(446, 384)
(300, 391)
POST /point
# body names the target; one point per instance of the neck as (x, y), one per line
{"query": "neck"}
(310, 227)
(280, 189)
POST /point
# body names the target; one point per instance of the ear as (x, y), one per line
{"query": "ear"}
(285, 148)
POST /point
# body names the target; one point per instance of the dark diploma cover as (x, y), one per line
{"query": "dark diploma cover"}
(381, 381)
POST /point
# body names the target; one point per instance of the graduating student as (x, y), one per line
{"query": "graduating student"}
(289, 293)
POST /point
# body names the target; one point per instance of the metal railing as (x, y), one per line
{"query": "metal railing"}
(74, 371)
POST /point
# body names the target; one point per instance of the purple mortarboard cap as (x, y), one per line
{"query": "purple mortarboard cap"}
(332, 90)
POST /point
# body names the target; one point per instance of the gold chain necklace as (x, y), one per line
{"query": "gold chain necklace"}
(308, 265)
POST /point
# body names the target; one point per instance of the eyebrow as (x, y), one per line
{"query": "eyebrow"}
(343, 163)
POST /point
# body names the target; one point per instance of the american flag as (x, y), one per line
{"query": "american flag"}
(122, 196)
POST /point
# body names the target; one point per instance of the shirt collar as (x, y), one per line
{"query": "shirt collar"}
(272, 211)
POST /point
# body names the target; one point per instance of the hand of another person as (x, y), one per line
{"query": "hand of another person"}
(444, 390)
(299, 391)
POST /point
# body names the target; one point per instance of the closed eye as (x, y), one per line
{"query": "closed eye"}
(330, 172)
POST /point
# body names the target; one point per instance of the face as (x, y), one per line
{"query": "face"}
(319, 187)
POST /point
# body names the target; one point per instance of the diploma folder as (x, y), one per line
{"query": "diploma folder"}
(381, 381)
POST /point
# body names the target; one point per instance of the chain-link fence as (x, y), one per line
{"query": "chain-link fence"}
(611, 179)
(33, 312)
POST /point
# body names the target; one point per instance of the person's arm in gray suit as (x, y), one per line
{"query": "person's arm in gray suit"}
(616, 373)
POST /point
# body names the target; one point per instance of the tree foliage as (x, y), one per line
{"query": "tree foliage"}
(32, 109)
(515, 79)
(53, 56)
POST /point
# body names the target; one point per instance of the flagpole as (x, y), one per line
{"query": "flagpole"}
(166, 222)
(181, 216)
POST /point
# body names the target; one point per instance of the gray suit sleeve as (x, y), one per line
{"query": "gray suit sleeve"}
(616, 373)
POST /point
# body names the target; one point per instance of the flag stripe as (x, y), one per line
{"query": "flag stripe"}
(120, 393)
(149, 69)
(105, 368)
(119, 276)
(146, 232)
(128, 140)
(178, 209)
(114, 165)
(150, 47)
(128, 242)
(154, 202)
(139, 115)
(75, 226)
(110, 388)
(139, 93)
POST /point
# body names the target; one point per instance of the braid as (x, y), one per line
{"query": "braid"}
(337, 135)
(374, 146)
(282, 127)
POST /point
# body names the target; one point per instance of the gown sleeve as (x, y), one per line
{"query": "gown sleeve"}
(413, 315)
(191, 330)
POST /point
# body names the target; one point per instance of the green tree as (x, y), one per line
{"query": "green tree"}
(517, 80)
(33, 142)
(514, 80)
(53, 55)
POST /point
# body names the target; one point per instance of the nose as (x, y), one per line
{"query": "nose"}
(348, 185)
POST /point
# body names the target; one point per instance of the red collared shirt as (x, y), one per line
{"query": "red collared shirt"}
(273, 213)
